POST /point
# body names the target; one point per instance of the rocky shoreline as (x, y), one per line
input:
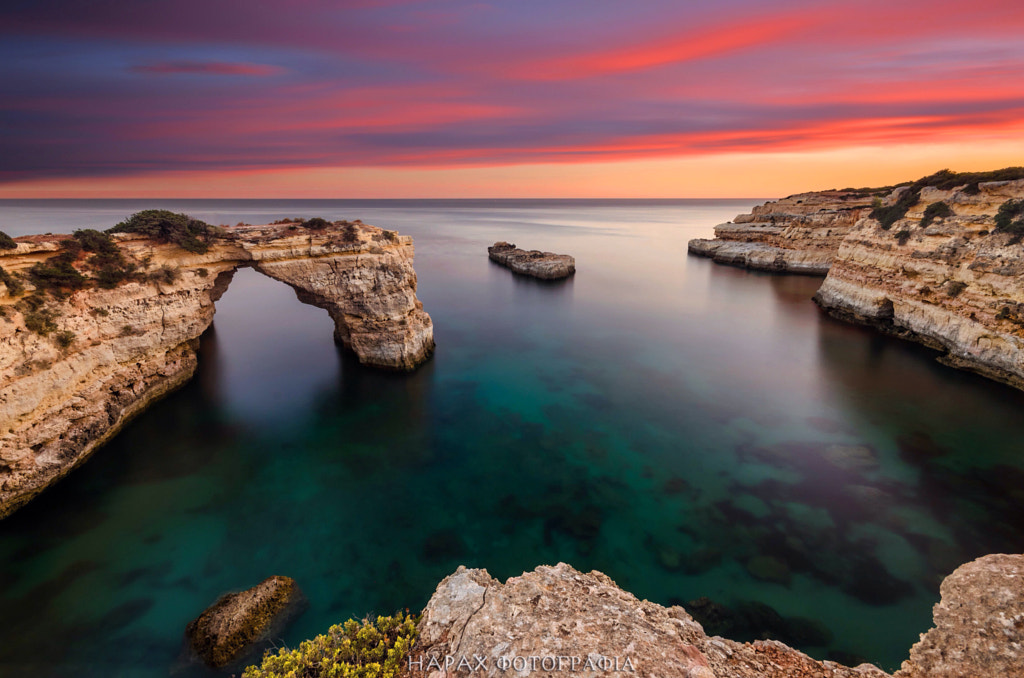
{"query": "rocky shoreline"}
(557, 620)
(77, 364)
(938, 261)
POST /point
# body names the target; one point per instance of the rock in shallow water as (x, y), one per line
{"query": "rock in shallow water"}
(237, 622)
(544, 265)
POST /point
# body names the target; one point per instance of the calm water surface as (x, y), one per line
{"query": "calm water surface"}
(689, 429)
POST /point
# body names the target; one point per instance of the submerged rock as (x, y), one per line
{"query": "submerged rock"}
(544, 265)
(238, 622)
(979, 623)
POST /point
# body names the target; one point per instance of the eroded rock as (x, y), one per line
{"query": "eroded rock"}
(560, 612)
(979, 624)
(544, 265)
(238, 622)
(132, 344)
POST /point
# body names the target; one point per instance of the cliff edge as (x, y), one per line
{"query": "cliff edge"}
(95, 327)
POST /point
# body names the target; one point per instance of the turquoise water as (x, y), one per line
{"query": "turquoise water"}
(659, 418)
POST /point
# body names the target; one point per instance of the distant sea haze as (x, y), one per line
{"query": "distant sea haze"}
(684, 427)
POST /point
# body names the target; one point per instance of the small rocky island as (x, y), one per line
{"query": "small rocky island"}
(96, 326)
(938, 261)
(543, 265)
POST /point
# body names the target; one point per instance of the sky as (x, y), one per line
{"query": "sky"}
(521, 98)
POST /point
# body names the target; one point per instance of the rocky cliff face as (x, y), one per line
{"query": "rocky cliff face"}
(954, 284)
(555, 620)
(99, 356)
(798, 234)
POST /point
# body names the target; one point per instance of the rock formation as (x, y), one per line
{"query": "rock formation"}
(557, 614)
(798, 234)
(238, 622)
(979, 624)
(95, 357)
(544, 265)
(925, 261)
(955, 284)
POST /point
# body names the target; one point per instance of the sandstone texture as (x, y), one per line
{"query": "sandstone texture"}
(112, 352)
(557, 612)
(544, 265)
(233, 626)
(798, 234)
(979, 624)
(955, 284)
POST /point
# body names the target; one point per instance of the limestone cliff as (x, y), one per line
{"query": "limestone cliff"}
(554, 619)
(798, 234)
(952, 282)
(75, 366)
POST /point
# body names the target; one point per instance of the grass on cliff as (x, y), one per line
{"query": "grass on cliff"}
(367, 649)
(14, 285)
(7, 242)
(184, 231)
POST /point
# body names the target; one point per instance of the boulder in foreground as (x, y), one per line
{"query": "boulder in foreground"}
(237, 622)
(543, 265)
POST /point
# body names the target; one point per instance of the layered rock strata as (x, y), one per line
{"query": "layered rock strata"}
(543, 265)
(798, 234)
(955, 284)
(559, 618)
(111, 352)
(234, 625)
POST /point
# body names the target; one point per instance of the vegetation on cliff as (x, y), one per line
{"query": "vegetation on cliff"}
(7, 242)
(1010, 219)
(937, 210)
(367, 649)
(184, 231)
(14, 285)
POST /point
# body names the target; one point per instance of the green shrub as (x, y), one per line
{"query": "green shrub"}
(165, 274)
(65, 338)
(165, 226)
(890, 214)
(937, 210)
(14, 285)
(58, 274)
(902, 236)
(41, 321)
(316, 223)
(1010, 217)
(7, 242)
(370, 649)
(107, 260)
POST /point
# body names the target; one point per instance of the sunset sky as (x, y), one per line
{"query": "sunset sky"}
(524, 98)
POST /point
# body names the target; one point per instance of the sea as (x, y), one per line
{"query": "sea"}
(702, 434)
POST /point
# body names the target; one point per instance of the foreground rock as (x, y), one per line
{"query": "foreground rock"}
(96, 357)
(558, 612)
(238, 622)
(979, 624)
(544, 265)
(955, 284)
(798, 234)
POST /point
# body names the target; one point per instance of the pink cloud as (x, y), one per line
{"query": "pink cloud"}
(207, 68)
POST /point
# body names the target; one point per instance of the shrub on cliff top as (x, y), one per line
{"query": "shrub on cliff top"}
(14, 286)
(107, 260)
(190, 234)
(937, 210)
(316, 223)
(7, 242)
(58, 274)
(367, 649)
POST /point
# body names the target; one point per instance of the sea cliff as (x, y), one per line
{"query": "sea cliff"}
(938, 261)
(798, 234)
(77, 363)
